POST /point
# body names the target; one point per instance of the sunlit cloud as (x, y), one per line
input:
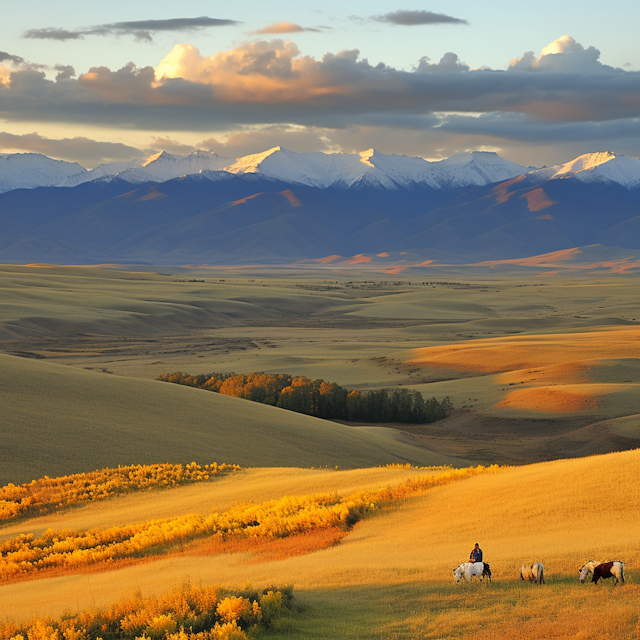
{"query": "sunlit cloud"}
(268, 92)
(561, 55)
(284, 27)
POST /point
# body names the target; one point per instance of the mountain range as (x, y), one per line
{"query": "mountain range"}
(281, 207)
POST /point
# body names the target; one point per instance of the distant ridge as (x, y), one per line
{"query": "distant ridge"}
(370, 168)
(280, 207)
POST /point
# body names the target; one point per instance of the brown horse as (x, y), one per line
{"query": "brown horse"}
(611, 569)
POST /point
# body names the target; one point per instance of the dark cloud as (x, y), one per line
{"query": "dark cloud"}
(448, 62)
(65, 72)
(53, 33)
(7, 57)
(414, 18)
(141, 30)
(266, 90)
(271, 83)
(80, 149)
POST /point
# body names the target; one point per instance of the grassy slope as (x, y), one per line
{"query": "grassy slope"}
(394, 571)
(59, 420)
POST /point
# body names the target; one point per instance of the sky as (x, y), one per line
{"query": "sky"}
(539, 83)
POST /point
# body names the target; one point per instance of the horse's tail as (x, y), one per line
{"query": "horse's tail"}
(622, 572)
(541, 575)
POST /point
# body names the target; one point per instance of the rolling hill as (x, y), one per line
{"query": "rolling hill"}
(398, 563)
(59, 420)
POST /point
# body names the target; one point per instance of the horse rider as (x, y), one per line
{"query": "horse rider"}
(476, 554)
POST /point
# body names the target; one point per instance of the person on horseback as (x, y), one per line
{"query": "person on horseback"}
(476, 554)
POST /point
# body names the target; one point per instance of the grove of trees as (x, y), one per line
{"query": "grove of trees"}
(319, 398)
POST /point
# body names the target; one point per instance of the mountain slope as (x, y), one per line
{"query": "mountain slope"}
(322, 170)
(248, 217)
(603, 166)
(59, 420)
(30, 170)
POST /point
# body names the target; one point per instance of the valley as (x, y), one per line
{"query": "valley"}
(542, 369)
(537, 367)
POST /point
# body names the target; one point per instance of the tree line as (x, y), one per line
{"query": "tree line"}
(318, 398)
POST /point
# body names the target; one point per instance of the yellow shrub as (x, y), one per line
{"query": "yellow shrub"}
(227, 631)
(40, 630)
(234, 608)
(161, 625)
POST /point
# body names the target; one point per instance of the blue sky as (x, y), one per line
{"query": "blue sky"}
(70, 90)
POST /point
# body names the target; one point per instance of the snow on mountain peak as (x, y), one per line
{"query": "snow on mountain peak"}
(480, 167)
(162, 155)
(322, 170)
(601, 166)
(31, 170)
(587, 161)
(252, 162)
(365, 157)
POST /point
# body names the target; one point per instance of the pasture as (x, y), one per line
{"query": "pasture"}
(446, 332)
(391, 576)
(542, 370)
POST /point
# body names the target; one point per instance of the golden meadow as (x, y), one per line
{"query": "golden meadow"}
(388, 575)
(290, 515)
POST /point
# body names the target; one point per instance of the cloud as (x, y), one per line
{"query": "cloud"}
(242, 143)
(448, 62)
(159, 143)
(79, 149)
(265, 93)
(414, 18)
(141, 30)
(284, 27)
(65, 72)
(561, 55)
(53, 33)
(14, 60)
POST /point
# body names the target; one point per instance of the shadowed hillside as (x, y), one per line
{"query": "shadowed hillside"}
(256, 219)
(58, 420)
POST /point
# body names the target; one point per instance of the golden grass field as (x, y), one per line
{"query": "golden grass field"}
(542, 370)
(560, 513)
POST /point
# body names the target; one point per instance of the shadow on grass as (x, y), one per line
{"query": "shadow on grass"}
(505, 609)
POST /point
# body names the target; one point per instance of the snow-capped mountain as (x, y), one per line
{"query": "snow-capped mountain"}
(280, 206)
(373, 168)
(321, 170)
(602, 166)
(156, 168)
(29, 170)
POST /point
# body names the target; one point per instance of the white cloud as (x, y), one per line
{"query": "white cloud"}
(561, 55)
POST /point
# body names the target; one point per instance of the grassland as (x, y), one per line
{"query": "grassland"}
(391, 576)
(541, 368)
(538, 366)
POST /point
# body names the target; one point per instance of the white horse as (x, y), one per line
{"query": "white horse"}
(467, 570)
(610, 569)
(532, 573)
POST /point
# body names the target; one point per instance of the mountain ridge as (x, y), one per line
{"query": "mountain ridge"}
(321, 170)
